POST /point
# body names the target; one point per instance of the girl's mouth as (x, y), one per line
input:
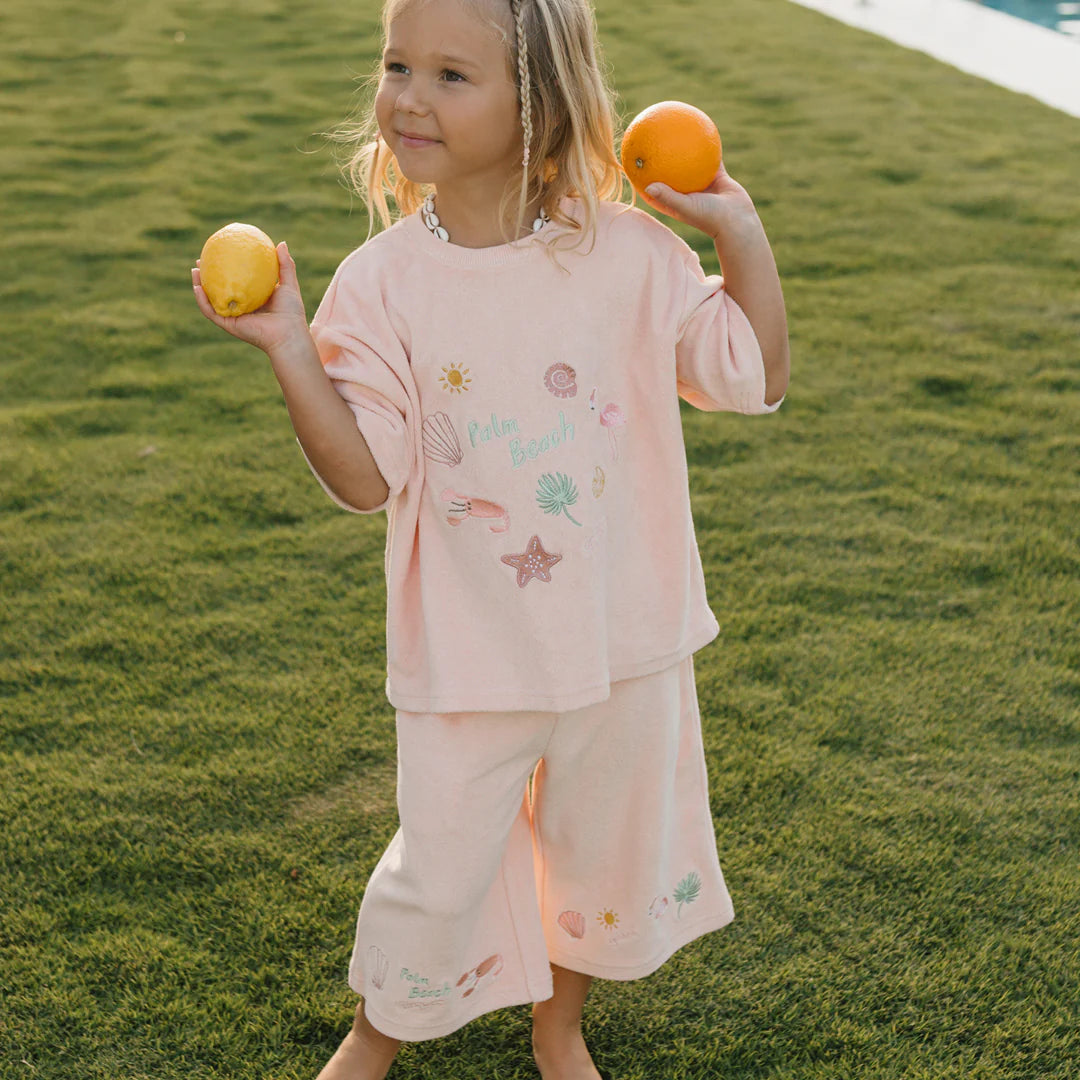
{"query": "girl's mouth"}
(417, 144)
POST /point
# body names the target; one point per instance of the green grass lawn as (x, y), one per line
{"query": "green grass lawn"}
(197, 754)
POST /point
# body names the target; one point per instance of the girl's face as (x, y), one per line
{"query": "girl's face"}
(446, 78)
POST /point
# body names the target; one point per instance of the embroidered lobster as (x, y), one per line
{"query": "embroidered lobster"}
(463, 506)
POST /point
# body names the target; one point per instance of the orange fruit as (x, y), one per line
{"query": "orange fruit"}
(238, 268)
(673, 143)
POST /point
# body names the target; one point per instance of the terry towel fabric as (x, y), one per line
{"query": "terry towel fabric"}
(540, 544)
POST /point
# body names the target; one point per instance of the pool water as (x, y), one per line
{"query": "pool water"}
(1062, 15)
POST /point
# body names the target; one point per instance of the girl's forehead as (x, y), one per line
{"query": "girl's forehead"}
(450, 16)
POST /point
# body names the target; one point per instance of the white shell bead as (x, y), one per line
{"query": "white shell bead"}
(431, 220)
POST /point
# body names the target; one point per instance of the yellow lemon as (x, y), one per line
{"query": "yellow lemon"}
(238, 268)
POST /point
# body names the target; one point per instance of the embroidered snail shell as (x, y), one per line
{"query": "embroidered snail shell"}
(573, 922)
(561, 380)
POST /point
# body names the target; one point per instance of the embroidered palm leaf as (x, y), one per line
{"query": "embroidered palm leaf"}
(555, 493)
(686, 892)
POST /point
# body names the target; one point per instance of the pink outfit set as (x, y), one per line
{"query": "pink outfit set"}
(544, 598)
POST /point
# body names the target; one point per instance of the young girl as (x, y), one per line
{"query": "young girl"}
(500, 370)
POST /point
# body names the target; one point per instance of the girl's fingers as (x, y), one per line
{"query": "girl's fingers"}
(286, 266)
(205, 306)
(204, 302)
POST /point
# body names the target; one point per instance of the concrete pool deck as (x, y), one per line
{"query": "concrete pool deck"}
(979, 40)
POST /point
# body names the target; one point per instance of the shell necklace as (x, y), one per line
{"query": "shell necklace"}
(431, 220)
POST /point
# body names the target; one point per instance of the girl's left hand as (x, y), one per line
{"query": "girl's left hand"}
(724, 204)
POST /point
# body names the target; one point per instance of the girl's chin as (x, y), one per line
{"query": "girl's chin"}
(417, 176)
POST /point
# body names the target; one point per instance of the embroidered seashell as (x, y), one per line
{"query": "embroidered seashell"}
(598, 482)
(658, 906)
(573, 922)
(561, 380)
(441, 441)
(377, 966)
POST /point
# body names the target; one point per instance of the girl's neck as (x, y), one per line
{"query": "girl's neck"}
(472, 223)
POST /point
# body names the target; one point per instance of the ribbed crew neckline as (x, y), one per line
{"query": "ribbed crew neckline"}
(478, 258)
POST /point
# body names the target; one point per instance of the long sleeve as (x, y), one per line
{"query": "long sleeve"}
(369, 368)
(718, 358)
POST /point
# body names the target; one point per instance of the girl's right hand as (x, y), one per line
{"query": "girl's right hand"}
(272, 327)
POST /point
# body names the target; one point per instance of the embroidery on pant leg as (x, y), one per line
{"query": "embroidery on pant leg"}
(474, 980)
(610, 921)
(463, 506)
(421, 991)
(607, 918)
(440, 440)
(658, 907)
(377, 966)
(611, 418)
(598, 481)
(455, 378)
(573, 922)
(555, 493)
(686, 892)
(533, 562)
(561, 380)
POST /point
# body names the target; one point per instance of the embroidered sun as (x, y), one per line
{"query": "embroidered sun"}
(608, 918)
(455, 378)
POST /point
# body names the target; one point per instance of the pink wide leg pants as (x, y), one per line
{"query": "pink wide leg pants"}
(608, 869)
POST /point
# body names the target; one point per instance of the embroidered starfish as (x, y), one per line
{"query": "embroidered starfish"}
(533, 562)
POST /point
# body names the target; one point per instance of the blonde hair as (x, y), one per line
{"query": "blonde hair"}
(568, 119)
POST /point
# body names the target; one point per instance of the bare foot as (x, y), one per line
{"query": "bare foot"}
(561, 1053)
(364, 1054)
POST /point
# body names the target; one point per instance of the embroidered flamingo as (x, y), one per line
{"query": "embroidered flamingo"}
(611, 417)
(463, 506)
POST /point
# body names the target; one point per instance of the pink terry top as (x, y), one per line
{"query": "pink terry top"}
(539, 543)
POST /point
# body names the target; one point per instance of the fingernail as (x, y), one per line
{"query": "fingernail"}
(654, 190)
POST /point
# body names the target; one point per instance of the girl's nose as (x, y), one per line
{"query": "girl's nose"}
(410, 100)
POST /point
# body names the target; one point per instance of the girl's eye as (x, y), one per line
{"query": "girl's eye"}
(457, 76)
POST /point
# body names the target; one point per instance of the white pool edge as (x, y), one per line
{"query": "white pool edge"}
(982, 41)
